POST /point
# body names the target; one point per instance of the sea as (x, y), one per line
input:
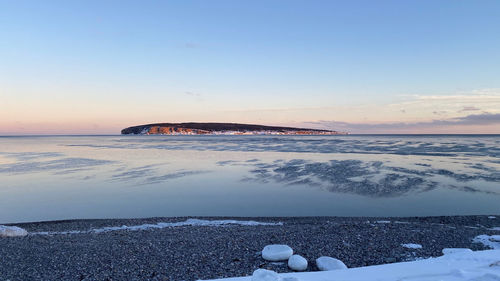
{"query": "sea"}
(46, 178)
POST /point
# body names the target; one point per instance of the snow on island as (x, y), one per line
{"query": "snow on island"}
(194, 128)
(459, 266)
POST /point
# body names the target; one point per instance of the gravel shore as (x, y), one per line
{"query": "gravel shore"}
(205, 252)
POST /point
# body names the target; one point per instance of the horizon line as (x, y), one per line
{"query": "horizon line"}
(348, 134)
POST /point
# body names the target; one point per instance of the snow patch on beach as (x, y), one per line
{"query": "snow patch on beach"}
(160, 225)
(452, 251)
(492, 241)
(12, 231)
(471, 227)
(412, 246)
(461, 266)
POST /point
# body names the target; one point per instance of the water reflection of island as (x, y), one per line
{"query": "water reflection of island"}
(367, 178)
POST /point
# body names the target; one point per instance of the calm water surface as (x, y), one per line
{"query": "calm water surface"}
(66, 177)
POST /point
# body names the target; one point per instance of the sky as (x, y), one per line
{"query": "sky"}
(95, 67)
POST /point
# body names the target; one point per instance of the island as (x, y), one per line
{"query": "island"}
(194, 128)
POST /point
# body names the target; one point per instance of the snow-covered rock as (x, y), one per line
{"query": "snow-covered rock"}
(265, 275)
(328, 263)
(12, 231)
(492, 241)
(297, 263)
(463, 266)
(450, 251)
(412, 246)
(277, 252)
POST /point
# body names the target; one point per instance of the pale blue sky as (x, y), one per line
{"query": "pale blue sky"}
(102, 65)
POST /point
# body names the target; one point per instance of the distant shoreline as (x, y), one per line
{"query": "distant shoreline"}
(195, 128)
(103, 221)
(347, 135)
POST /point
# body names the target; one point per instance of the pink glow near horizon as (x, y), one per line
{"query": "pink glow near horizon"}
(476, 112)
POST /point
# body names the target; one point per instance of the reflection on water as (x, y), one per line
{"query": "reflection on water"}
(58, 166)
(45, 178)
(370, 178)
(400, 145)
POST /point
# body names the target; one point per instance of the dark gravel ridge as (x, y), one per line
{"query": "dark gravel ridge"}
(201, 252)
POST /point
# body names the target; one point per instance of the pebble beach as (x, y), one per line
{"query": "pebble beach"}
(128, 249)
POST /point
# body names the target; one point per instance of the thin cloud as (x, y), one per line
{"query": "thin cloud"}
(192, 94)
(289, 109)
(469, 108)
(439, 112)
(469, 120)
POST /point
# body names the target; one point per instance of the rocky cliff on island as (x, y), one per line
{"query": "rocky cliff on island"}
(221, 129)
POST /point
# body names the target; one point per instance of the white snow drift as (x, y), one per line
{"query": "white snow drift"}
(460, 266)
(277, 252)
(492, 241)
(451, 251)
(188, 222)
(12, 231)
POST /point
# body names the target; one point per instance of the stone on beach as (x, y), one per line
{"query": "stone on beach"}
(329, 263)
(297, 263)
(265, 275)
(12, 231)
(277, 252)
